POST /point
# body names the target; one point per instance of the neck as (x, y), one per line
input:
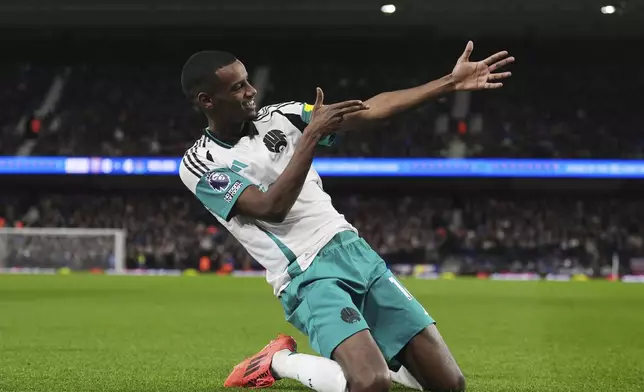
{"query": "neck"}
(228, 133)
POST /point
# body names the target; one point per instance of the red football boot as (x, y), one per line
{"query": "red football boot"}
(255, 372)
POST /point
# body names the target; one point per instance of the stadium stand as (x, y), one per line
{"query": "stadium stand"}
(21, 87)
(138, 109)
(102, 81)
(477, 233)
(125, 107)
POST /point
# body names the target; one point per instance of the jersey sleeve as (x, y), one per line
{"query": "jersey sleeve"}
(299, 114)
(219, 189)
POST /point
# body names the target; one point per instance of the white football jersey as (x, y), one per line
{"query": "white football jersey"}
(217, 173)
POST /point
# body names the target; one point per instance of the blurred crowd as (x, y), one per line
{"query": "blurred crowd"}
(121, 110)
(468, 235)
(564, 100)
(21, 92)
(558, 104)
(163, 231)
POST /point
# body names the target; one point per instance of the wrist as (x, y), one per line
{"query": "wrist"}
(309, 140)
(448, 84)
(311, 134)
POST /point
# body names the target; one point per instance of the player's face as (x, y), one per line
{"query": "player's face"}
(235, 97)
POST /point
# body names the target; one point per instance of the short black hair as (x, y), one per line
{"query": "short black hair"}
(198, 73)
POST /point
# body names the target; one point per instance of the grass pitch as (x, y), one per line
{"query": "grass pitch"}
(105, 333)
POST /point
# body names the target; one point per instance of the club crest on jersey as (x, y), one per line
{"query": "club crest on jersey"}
(219, 181)
(275, 141)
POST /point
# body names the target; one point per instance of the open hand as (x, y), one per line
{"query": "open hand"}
(468, 75)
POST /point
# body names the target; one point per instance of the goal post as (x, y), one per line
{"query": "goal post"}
(78, 249)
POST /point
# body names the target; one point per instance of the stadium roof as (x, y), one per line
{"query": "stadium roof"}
(453, 17)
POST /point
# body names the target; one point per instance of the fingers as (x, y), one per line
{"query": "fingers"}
(499, 76)
(340, 105)
(319, 97)
(495, 57)
(351, 109)
(498, 60)
(491, 86)
(496, 77)
(501, 63)
(468, 51)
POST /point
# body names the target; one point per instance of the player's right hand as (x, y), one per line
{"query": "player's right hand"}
(326, 119)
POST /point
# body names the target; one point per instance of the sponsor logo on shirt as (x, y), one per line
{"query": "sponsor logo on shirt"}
(233, 191)
(219, 181)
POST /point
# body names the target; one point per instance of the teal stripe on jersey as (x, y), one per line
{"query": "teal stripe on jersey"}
(290, 256)
(293, 270)
(327, 141)
(212, 137)
(238, 166)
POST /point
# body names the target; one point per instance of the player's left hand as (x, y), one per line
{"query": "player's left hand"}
(468, 75)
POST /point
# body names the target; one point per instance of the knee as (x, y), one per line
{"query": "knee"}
(458, 383)
(454, 383)
(378, 381)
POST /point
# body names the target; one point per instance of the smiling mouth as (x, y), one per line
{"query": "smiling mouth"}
(249, 105)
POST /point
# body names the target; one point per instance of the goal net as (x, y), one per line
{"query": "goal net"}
(52, 248)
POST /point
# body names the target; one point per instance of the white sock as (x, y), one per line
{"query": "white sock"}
(318, 373)
(403, 377)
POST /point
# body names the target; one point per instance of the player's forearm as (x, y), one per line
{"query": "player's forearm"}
(393, 102)
(390, 103)
(283, 193)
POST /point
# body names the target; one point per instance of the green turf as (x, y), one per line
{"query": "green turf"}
(104, 333)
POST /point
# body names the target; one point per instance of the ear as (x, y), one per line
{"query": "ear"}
(205, 101)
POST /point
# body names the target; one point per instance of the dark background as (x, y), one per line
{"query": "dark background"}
(564, 39)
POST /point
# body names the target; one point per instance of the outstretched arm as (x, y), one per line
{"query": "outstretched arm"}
(466, 76)
(390, 103)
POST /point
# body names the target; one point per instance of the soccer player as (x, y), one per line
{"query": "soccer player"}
(252, 170)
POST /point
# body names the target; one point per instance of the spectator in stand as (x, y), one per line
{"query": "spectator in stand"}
(478, 234)
(106, 109)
